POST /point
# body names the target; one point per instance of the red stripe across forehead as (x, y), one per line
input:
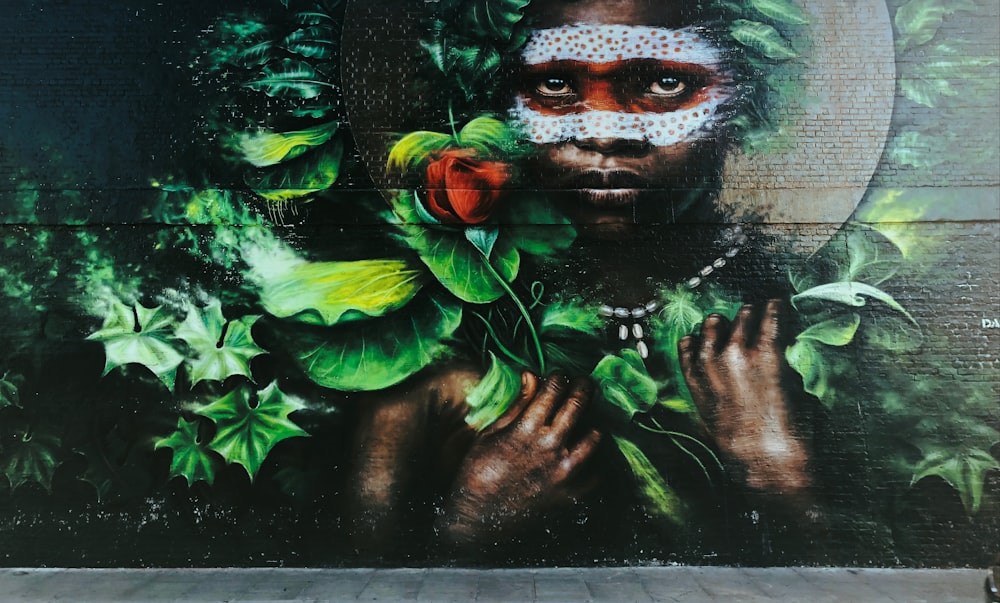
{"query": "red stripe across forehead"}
(617, 85)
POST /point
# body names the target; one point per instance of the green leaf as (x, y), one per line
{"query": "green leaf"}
(838, 331)
(661, 500)
(494, 18)
(375, 354)
(493, 395)
(819, 365)
(964, 469)
(486, 135)
(483, 238)
(265, 148)
(762, 38)
(918, 21)
(140, 335)
(571, 320)
(459, 266)
(312, 42)
(32, 457)
(290, 79)
(415, 149)
(191, 458)
(781, 11)
(301, 177)
(326, 293)
(624, 382)
(534, 226)
(851, 294)
(246, 432)
(9, 394)
(218, 357)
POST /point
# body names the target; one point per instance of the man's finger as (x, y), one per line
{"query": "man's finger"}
(571, 409)
(687, 349)
(714, 335)
(579, 454)
(742, 326)
(770, 323)
(541, 407)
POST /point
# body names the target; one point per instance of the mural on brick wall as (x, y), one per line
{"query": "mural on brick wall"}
(507, 282)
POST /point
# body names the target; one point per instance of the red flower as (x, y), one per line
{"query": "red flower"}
(462, 190)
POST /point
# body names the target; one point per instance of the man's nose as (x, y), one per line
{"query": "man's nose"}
(614, 146)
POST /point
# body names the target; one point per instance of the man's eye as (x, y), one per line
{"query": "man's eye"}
(554, 86)
(667, 86)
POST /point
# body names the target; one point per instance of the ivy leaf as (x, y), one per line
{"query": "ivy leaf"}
(811, 359)
(265, 148)
(661, 500)
(460, 267)
(327, 293)
(191, 459)
(624, 382)
(375, 354)
(218, 356)
(762, 38)
(290, 79)
(302, 176)
(493, 395)
(964, 469)
(872, 258)
(31, 457)
(140, 335)
(245, 432)
(9, 394)
(781, 11)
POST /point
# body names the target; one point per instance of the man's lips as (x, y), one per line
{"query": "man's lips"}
(606, 188)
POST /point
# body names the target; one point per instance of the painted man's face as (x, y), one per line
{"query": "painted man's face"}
(622, 100)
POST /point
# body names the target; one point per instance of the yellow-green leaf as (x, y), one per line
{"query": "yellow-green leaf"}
(263, 147)
(325, 293)
(661, 500)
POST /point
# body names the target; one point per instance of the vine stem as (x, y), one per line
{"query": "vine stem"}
(524, 312)
(451, 122)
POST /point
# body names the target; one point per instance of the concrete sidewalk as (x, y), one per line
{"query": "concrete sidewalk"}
(569, 585)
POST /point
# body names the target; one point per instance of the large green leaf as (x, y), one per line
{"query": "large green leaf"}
(218, 357)
(493, 395)
(375, 354)
(624, 382)
(140, 335)
(964, 469)
(852, 294)
(918, 21)
(762, 38)
(192, 459)
(486, 135)
(314, 42)
(459, 266)
(661, 500)
(246, 432)
(326, 293)
(415, 149)
(290, 79)
(819, 365)
(31, 457)
(301, 177)
(780, 10)
(534, 226)
(494, 18)
(264, 148)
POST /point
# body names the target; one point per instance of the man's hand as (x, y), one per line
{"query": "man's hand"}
(734, 373)
(524, 464)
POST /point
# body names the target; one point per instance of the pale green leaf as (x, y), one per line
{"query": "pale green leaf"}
(246, 432)
(661, 500)
(493, 395)
(326, 293)
(263, 148)
(301, 177)
(483, 238)
(415, 149)
(838, 331)
(852, 294)
(192, 459)
(780, 10)
(964, 469)
(218, 357)
(375, 354)
(805, 357)
(762, 38)
(140, 335)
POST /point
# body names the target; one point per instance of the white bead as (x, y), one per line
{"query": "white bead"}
(693, 282)
(638, 312)
(706, 271)
(652, 306)
(642, 349)
(606, 311)
(637, 331)
(719, 263)
(622, 332)
(731, 253)
(621, 313)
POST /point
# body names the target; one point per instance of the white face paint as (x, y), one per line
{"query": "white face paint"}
(573, 47)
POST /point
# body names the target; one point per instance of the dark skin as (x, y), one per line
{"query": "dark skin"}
(537, 457)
